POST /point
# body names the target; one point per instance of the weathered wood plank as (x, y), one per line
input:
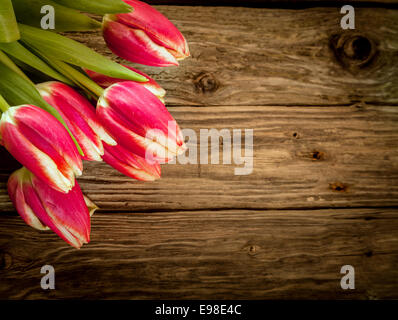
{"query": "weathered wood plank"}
(266, 3)
(303, 158)
(279, 57)
(208, 255)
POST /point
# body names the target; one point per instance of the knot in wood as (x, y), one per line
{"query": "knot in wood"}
(206, 82)
(5, 261)
(252, 249)
(353, 50)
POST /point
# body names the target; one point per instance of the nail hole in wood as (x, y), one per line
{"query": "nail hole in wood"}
(338, 186)
(369, 253)
(317, 155)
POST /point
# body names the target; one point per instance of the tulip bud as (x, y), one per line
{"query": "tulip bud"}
(43, 208)
(130, 164)
(79, 116)
(151, 84)
(144, 36)
(42, 144)
(140, 122)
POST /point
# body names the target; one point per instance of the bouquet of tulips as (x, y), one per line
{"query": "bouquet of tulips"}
(49, 86)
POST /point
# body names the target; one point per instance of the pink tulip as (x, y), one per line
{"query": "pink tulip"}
(144, 36)
(42, 144)
(130, 164)
(79, 116)
(140, 122)
(105, 81)
(43, 208)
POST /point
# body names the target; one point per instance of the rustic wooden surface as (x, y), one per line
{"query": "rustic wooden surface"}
(323, 192)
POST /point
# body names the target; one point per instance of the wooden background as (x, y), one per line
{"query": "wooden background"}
(323, 192)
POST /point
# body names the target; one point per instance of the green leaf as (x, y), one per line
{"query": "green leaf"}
(67, 50)
(17, 91)
(8, 25)
(77, 78)
(10, 64)
(80, 79)
(66, 19)
(97, 6)
(19, 52)
(3, 105)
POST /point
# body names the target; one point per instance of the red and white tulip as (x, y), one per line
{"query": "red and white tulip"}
(42, 144)
(43, 207)
(79, 115)
(144, 36)
(140, 122)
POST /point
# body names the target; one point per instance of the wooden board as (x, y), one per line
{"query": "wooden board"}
(303, 157)
(209, 254)
(273, 3)
(323, 192)
(279, 57)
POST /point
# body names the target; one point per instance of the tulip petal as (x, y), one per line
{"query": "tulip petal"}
(67, 215)
(130, 164)
(91, 206)
(17, 197)
(105, 81)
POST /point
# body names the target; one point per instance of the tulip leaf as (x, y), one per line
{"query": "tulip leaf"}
(10, 64)
(19, 52)
(97, 6)
(17, 91)
(8, 25)
(3, 105)
(79, 78)
(73, 52)
(65, 19)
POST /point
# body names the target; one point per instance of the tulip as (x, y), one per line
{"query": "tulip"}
(42, 144)
(144, 36)
(151, 84)
(43, 208)
(79, 116)
(140, 122)
(130, 164)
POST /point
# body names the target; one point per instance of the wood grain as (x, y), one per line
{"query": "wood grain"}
(279, 57)
(236, 254)
(323, 193)
(303, 158)
(267, 3)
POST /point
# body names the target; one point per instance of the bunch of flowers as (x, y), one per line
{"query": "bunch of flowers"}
(51, 126)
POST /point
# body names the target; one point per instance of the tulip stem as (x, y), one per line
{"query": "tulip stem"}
(3, 104)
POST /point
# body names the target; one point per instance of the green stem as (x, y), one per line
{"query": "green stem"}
(3, 104)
